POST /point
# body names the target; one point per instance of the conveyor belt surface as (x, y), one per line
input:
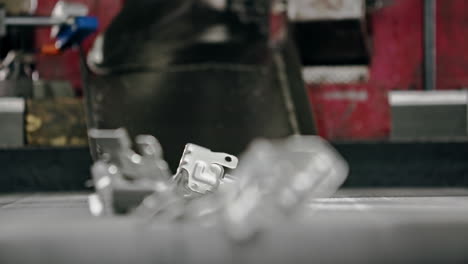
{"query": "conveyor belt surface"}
(355, 226)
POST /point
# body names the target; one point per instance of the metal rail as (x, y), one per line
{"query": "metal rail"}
(33, 21)
(430, 52)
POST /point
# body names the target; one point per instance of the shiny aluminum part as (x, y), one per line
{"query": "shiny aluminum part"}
(100, 202)
(152, 155)
(115, 147)
(110, 140)
(141, 184)
(122, 178)
(277, 178)
(203, 168)
(115, 193)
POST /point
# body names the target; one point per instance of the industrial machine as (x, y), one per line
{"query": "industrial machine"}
(31, 112)
(218, 82)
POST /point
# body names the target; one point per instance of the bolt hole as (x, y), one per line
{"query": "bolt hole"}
(228, 159)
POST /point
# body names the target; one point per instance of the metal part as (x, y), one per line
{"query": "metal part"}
(110, 143)
(115, 148)
(203, 168)
(123, 178)
(274, 180)
(24, 21)
(33, 21)
(152, 157)
(12, 121)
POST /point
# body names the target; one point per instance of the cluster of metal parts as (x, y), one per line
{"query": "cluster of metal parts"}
(274, 179)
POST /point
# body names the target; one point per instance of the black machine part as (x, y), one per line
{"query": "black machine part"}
(185, 72)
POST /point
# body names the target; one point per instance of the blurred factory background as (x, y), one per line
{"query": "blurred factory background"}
(379, 74)
(195, 82)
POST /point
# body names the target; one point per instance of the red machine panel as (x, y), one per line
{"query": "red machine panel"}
(452, 44)
(361, 111)
(397, 64)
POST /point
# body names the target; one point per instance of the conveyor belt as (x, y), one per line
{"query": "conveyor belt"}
(356, 226)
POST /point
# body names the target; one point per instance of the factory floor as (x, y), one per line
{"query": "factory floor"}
(355, 226)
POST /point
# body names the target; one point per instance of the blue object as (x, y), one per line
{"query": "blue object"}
(74, 34)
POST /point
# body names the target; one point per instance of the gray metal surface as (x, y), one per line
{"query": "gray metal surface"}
(429, 228)
(56, 205)
(428, 114)
(12, 121)
(33, 21)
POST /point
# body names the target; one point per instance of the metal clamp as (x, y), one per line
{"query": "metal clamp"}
(204, 169)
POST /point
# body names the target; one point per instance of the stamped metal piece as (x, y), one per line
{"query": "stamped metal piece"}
(110, 143)
(152, 157)
(122, 178)
(203, 168)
